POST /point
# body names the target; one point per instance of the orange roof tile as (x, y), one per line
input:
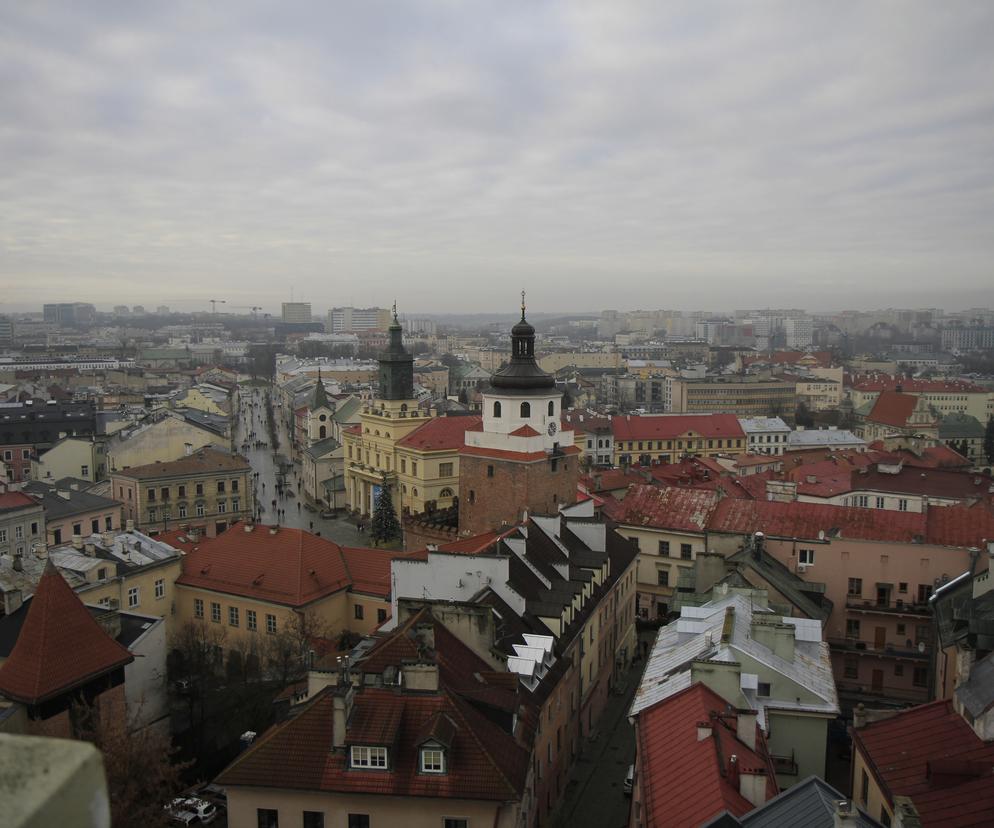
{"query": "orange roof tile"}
(440, 434)
(670, 426)
(685, 780)
(61, 646)
(893, 408)
(290, 567)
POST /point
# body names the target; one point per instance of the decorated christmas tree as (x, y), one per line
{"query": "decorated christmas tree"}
(384, 527)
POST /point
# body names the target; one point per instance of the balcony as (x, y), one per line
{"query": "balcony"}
(908, 650)
(784, 765)
(899, 607)
(882, 692)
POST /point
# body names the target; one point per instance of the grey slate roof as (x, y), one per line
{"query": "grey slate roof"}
(322, 447)
(810, 803)
(959, 427)
(977, 692)
(56, 506)
(808, 597)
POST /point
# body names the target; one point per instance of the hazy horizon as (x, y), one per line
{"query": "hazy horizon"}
(625, 155)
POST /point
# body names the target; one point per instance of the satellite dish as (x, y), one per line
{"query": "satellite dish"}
(921, 646)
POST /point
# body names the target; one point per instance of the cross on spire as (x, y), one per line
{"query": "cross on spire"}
(522, 306)
(394, 310)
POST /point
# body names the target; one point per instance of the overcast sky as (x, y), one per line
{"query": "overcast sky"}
(446, 154)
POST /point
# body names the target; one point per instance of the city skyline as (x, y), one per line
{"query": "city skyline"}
(830, 158)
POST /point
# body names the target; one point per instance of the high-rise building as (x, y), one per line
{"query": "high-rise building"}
(68, 313)
(297, 313)
(354, 320)
(798, 332)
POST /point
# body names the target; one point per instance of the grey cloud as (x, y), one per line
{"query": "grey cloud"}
(622, 154)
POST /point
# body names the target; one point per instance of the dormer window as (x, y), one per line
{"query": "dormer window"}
(432, 759)
(368, 757)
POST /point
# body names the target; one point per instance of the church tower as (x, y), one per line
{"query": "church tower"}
(519, 459)
(396, 366)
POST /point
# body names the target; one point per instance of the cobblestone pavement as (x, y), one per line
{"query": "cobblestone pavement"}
(252, 419)
(595, 795)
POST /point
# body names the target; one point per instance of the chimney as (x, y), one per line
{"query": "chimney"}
(77, 541)
(703, 731)
(108, 539)
(274, 529)
(421, 677)
(249, 527)
(188, 448)
(12, 600)
(65, 494)
(110, 621)
(752, 785)
(341, 710)
(745, 728)
(41, 550)
(18, 562)
(89, 550)
(905, 813)
(426, 635)
(733, 771)
(846, 814)
(129, 526)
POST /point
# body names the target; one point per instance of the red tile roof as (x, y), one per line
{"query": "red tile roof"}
(202, 461)
(525, 431)
(961, 526)
(892, 408)
(15, 500)
(684, 781)
(440, 434)
(291, 567)
(369, 569)
(672, 426)
(902, 750)
(886, 382)
(611, 480)
(806, 520)
(483, 761)
(667, 507)
(60, 646)
(944, 483)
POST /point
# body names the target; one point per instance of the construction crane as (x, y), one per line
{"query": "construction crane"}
(215, 303)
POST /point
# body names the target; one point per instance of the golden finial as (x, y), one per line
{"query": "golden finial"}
(522, 306)
(394, 310)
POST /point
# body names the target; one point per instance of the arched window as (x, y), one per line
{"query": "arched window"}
(323, 432)
(496, 409)
(414, 492)
(526, 409)
(445, 493)
(552, 408)
(403, 406)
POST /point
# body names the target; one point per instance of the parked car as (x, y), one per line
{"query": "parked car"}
(629, 780)
(188, 810)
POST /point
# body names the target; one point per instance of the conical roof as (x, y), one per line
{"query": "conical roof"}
(61, 645)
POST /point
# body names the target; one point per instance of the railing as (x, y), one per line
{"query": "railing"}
(883, 691)
(907, 650)
(784, 765)
(897, 607)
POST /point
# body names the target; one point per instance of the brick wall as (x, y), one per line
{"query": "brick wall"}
(487, 498)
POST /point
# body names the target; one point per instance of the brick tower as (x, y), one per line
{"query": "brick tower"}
(518, 459)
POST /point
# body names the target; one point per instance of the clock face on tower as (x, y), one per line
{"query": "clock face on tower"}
(552, 429)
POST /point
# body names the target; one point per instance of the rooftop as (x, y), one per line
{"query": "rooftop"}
(60, 646)
(672, 426)
(685, 780)
(201, 461)
(440, 434)
(930, 754)
(282, 565)
(720, 631)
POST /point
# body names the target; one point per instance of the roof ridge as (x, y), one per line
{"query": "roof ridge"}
(457, 703)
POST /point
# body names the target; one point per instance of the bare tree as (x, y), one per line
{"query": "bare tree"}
(138, 761)
(198, 651)
(288, 650)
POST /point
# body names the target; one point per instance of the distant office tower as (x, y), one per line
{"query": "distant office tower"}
(139, 310)
(6, 331)
(353, 320)
(162, 310)
(68, 313)
(122, 310)
(798, 332)
(297, 313)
